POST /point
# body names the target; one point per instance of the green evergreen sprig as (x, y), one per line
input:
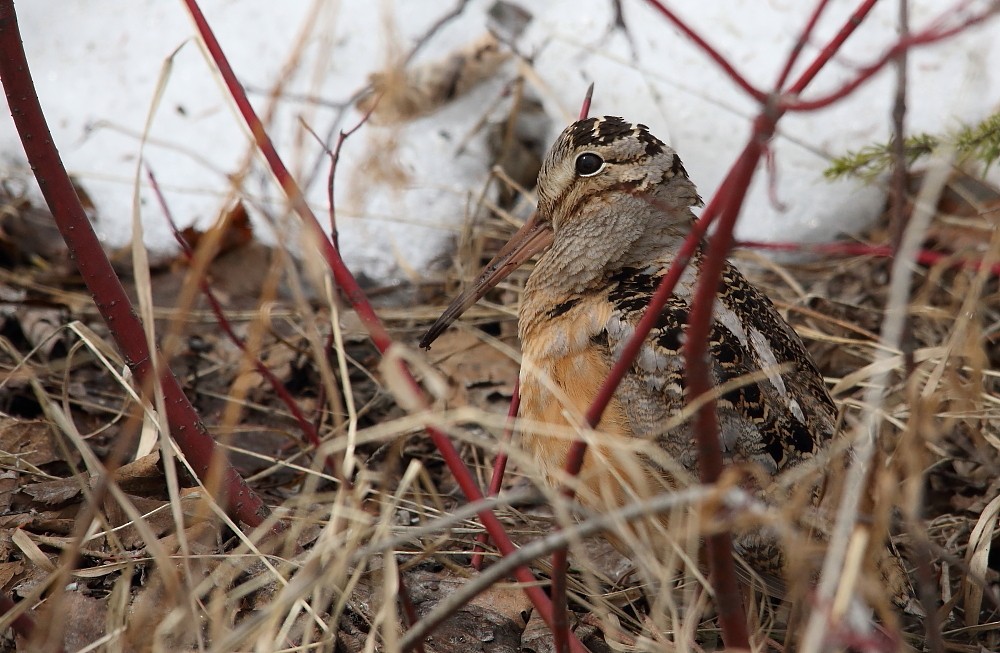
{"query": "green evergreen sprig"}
(979, 143)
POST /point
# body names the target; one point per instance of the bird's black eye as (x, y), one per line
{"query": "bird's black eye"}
(588, 164)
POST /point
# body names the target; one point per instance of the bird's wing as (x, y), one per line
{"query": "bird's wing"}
(772, 405)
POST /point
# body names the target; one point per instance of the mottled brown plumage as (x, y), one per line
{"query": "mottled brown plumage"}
(614, 208)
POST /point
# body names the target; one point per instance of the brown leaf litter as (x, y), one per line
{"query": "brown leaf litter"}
(153, 559)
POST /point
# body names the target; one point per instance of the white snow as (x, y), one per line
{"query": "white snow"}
(96, 66)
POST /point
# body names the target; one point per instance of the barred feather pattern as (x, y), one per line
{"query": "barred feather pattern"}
(619, 220)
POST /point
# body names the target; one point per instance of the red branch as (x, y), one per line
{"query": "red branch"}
(334, 155)
(933, 34)
(560, 557)
(409, 610)
(714, 54)
(109, 296)
(499, 466)
(348, 285)
(833, 47)
(726, 202)
(924, 256)
(696, 367)
(220, 318)
(800, 43)
(356, 297)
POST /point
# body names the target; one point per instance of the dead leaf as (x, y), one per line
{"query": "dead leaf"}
(41, 326)
(55, 492)
(156, 515)
(478, 373)
(29, 440)
(238, 275)
(143, 476)
(84, 618)
(8, 570)
(28, 234)
(234, 227)
(8, 486)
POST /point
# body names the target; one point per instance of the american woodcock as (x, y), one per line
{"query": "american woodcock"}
(614, 207)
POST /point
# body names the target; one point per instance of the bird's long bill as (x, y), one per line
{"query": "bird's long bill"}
(533, 237)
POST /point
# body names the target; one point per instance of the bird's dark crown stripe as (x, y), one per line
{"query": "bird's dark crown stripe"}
(582, 133)
(611, 129)
(608, 129)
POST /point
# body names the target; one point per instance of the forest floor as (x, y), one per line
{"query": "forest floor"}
(149, 562)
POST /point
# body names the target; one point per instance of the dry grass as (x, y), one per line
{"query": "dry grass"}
(142, 558)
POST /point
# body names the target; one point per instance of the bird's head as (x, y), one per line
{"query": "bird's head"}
(602, 161)
(604, 185)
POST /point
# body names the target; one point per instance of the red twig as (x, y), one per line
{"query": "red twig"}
(499, 467)
(833, 47)
(924, 256)
(719, 546)
(334, 155)
(409, 610)
(560, 605)
(356, 297)
(726, 201)
(800, 43)
(587, 99)
(109, 296)
(220, 317)
(348, 285)
(560, 557)
(713, 54)
(932, 34)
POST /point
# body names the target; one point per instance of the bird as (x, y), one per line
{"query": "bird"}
(615, 204)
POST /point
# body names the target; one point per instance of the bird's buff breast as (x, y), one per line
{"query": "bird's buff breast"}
(557, 389)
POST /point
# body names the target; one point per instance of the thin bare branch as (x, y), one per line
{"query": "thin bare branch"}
(109, 295)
